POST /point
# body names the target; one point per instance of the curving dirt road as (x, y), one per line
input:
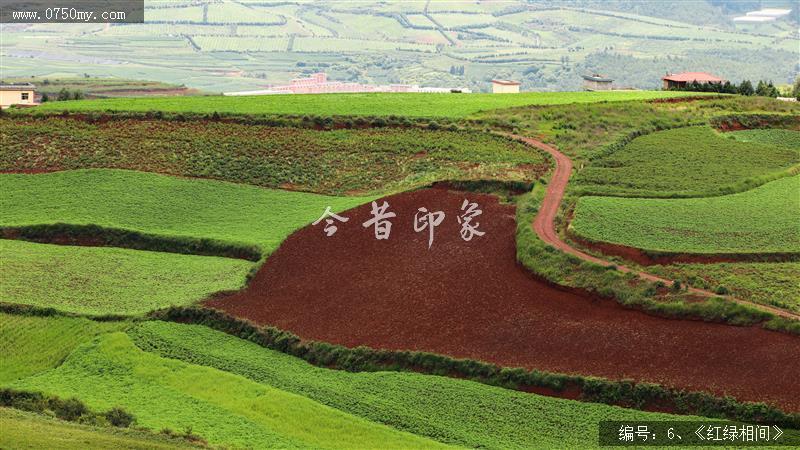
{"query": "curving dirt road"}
(544, 226)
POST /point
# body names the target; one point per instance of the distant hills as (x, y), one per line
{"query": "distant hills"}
(225, 45)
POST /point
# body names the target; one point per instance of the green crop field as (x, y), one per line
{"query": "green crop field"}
(693, 161)
(226, 409)
(97, 280)
(444, 409)
(337, 162)
(30, 345)
(24, 430)
(162, 205)
(762, 220)
(778, 137)
(379, 104)
(773, 283)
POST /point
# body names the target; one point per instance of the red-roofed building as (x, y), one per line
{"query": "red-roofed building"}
(679, 80)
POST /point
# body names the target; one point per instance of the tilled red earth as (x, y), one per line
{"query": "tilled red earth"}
(471, 300)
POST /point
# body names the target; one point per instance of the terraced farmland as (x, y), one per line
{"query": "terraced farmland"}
(686, 162)
(225, 409)
(437, 407)
(340, 161)
(92, 280)
(410, 105)
(35, 344)
(162, 205)
(763, 220)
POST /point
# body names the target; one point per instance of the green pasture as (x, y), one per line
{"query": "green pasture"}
(162, 205)
(30, 345)
(377, 104)
(225, 409)
(106, 280)
(457, 412)
(346, 161)
(762, 220)
(772, 283)
(25, 430)
(686, 162)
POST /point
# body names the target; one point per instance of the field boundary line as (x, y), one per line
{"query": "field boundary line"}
(544, 227)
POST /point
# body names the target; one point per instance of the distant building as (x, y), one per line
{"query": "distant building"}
(318, 83)
(679, 80)
(597, 83)
(17, 94)
(505, 87)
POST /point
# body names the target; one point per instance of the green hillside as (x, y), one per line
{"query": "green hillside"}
(99, 280)
(171, 207)
(762, 220)
(223, 408)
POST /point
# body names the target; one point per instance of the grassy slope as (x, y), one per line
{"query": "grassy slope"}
(693, 161)
(772, 283)
(162, 205)
(93, 280)
(340, 161)
(453, 411)
(762, 220)
(413, 105)
(30, 345)
(24, 430)
(225, 409)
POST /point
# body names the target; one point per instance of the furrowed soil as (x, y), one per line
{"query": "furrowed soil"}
(472, 300)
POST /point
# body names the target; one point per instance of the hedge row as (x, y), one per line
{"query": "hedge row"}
(273, 120)
(71, 409)
(98, 236)
(623, 393)
(753, 121)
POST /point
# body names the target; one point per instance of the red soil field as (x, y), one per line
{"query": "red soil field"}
(472, 300)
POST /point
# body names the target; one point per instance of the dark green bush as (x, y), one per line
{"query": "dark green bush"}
(118, 417)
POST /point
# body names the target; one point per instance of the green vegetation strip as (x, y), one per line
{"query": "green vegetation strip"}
(440, 408)
(30, 345)
(626, 393)
(763, 220)
(686, 162)
(29, 430)
(773, 283)
(337, 162)
(412, 105)
(223, 408)
(97, 281)
(162, 205)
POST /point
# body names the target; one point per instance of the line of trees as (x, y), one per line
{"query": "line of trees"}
(762, 89)
(63, 95)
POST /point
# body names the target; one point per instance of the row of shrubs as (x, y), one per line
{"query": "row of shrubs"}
(567, 270)
(753, 121)
(623, 393)
(95, 235)
(71, 409)
(272, 120)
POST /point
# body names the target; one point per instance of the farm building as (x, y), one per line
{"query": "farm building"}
(505, 87)
(679, 80)
(597, 83)
(17, 94)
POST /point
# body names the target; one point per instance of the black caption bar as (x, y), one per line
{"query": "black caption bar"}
(71, 11)
(614, 433)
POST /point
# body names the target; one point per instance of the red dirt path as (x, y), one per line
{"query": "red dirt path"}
(471, 300)
(544, 225)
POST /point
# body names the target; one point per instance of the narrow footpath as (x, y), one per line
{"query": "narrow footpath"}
(544, 226)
